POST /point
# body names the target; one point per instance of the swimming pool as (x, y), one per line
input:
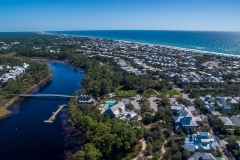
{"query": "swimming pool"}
(110, 103)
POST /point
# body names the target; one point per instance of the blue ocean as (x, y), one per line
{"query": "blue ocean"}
(210, 41)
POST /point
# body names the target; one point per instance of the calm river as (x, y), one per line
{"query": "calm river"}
(24, 135)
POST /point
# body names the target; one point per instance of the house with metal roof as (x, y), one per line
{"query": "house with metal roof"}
(230, 100)
(235, 120)
(210, 107)
(204, 156)
(119, 111)
(221, 102)
(186, 120)
(215, 113)
(201, 142)
(227, 123)
(207, 99)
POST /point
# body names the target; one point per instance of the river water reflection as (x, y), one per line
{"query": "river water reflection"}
(24, 135)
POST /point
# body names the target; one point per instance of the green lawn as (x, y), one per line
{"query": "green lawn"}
(121, 92)
(170, 92)
(149, 92)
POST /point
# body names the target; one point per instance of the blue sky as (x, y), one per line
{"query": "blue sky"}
(54, 15)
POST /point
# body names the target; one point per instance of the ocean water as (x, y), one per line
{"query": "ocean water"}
(219, 42)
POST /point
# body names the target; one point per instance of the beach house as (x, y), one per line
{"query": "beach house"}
(201, 142)
(227, 123)
(185, 119)
(119, 111)
(223, 104)
(204, 156)
(235, 120)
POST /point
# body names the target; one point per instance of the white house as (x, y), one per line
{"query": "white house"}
(230, 100)
(119, 111)
(186, 120)
(201, 142)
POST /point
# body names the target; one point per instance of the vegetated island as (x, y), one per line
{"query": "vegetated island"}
(157, 81)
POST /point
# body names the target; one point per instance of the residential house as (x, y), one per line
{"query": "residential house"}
(204, 156)
(223, 104)
(119, 111)
(201, 142)
(186, 120)
(86, 99)
(235, 120)
(210, 107)
(227, 123)
(215, 113)
(176, 107)
(125, 100)
(237, 98)
(207, 99)
(230, 100)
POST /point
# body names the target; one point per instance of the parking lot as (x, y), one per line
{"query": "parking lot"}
(135, 102)
(151, 100)
(153, 103)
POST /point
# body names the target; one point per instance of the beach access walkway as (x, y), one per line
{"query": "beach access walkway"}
(52, 118)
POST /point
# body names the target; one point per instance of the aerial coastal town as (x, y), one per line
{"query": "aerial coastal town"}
(202, 97)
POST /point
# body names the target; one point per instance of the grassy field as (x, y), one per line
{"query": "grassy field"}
(150, 92)
(121, 92)
(170, 92)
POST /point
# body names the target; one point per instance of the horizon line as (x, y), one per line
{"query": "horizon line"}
(116, 30)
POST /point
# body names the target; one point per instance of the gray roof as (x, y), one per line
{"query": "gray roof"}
(200, 141)
(226, 121)
(216, 113)
(115, 108)
(235, 120)
(204, 156)
(125, 100)
(191, 108)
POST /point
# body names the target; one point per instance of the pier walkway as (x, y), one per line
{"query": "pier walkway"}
(52, 118)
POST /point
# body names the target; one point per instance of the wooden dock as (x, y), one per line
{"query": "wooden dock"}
(52, 118)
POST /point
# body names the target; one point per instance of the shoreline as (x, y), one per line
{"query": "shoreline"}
(155, 44)
(4, 112)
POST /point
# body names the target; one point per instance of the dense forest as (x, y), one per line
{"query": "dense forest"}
(33, 75)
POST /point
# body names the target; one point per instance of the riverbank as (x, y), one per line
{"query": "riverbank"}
(4, 112)
(66, 61)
